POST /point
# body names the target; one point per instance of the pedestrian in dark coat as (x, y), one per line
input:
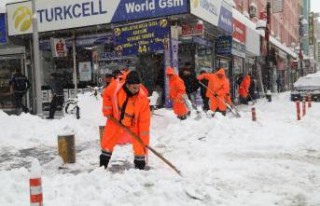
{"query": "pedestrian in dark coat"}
(57, 95)
(20, 84)
(279, 86)
(191, 83)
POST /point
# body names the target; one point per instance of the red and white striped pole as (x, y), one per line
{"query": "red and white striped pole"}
(36, 197)
(309, 100)
(298, 110)
(304, 106)
(254, 116)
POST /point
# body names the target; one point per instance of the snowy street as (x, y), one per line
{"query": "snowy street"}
(224, 160)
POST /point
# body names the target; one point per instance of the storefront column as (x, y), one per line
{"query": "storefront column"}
(74, 56)
(171, 59)
(36, 64)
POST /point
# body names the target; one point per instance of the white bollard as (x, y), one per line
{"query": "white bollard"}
(36, 197)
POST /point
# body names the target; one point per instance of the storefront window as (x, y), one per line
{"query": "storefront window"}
(203, 60)
(8, 66)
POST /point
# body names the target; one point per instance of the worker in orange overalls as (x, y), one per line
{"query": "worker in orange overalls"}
(129, 104)
(177, 94)
(218, 88)
(244, 89)
(228, 96)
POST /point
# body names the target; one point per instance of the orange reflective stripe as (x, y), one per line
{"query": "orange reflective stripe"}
(35, 182)
(144, 133)
(129, 115)
(36, 198)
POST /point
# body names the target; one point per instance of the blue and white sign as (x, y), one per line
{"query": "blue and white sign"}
(224, 45)
(144, 37)
(215, 12)
(64, 14)
(145, 9)
(3, 33)
(225, 20)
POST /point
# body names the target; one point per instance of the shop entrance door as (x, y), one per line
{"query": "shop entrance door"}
(8, 66)
(151, 69)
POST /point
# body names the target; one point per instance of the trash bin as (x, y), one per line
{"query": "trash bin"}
(66, 148)
(268, 96)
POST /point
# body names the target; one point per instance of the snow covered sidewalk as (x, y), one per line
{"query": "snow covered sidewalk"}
(224, 161)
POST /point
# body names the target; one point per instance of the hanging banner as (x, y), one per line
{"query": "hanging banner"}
(3, 33)
(61, 14)
(141, 38)
(58, 47)
(225, 20)
(224, 45)
(311, 28)
(85, 71)
(238, 49)
(239, 31)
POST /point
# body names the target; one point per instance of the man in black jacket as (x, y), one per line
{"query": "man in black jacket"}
(203, 91)
(191, 83)
(57, 95)
(20, 84)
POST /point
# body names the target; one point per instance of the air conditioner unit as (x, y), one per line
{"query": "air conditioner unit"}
(253, 10)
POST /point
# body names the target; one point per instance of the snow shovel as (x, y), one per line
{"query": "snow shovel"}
(234, 111)
(189, 106)
(136, 137)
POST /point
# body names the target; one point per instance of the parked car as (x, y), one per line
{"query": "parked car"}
(307, 85)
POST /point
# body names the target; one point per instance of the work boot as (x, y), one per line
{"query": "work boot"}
(104, 158)
(139, 162)
(183, 117)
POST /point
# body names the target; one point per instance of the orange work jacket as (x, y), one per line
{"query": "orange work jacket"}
(177, 91)
(218, 86)
(244, 87)
(136, 117)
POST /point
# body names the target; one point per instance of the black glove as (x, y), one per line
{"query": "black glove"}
(104, 158)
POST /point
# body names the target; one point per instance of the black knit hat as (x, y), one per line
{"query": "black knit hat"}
(133, 78)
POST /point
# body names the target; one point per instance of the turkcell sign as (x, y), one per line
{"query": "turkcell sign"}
(65, 14)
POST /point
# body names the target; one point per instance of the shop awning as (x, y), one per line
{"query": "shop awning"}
(237, 15)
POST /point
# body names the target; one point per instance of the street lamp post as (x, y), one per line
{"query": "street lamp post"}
(36, 60)
(267, 63)
(267, 34)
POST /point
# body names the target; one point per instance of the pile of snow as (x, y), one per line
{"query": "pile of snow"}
(224, 161)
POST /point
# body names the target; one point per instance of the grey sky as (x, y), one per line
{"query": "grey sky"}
(315, 5)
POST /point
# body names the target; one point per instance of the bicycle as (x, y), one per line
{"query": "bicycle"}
(71, 107)
(95, 91)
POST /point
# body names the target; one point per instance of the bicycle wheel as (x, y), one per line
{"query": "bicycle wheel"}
(66, 108)
(78, 112)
